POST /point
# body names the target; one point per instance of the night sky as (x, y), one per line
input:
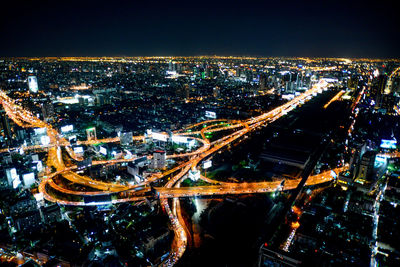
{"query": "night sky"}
(203, 27)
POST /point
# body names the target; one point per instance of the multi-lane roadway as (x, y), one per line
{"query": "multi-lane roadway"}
(172, 188)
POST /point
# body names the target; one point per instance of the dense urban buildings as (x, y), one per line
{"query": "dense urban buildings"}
(199, 161)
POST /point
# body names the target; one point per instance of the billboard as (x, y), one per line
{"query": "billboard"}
(78, 149)
(32, 84)
(207, 164)
(67, 128)
(179, 139)
(103, 151)
(389, 144)
(211, 114)
(160, 137)
(380, 160)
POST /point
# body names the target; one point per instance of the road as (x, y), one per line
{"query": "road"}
(172, 188)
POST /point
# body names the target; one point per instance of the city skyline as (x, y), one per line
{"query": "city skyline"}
(195, 161)
(210, 133)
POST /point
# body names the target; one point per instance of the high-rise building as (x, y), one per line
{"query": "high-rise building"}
(290, 86)
(5, 124)
(7, 158)
(249, 76)
(21, 134)
(380, 88)
(100, 100)
(196, 71)
(126, 138)
(387, 103)
(159, 160)
(12, 177)
(352, 83)
(366, 165)
(238, 72)
(33, 84)
(358, 152)
(48, 111)
(132, 169)
(203, 74)
(83, 101)
(262, 82)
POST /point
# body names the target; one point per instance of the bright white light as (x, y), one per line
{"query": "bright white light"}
(390, 144)
(39, 131)
(161, 137)
(207, 164)
(29, 179)
(211, 115)
(103, 151)
(179, 139)
(67, 128)
(38, 197)
(45, 140)
(78, 150)
(16, 183)
(32, 83)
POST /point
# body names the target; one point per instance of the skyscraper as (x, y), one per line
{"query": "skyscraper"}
(366, 165)
(5, 124)
(33, 84)
(262, 81)
(48, 111)
(380, 88)
(100, 100)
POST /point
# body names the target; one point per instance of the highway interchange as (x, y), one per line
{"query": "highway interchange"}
(171, 189)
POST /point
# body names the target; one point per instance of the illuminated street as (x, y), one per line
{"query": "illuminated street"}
(259, 153)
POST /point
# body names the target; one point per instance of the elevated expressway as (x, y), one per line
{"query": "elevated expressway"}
(172, 188)
(244, 188)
